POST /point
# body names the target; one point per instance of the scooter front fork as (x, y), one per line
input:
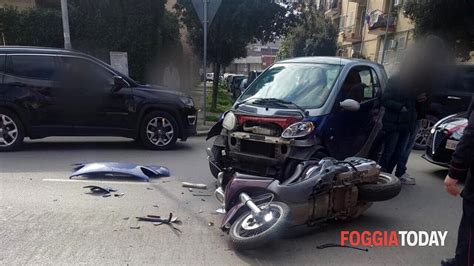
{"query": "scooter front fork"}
(247, 200)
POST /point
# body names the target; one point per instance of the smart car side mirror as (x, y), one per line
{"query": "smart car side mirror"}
(119, 83)
(350, 105)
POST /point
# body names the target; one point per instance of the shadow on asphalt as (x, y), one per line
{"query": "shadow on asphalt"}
(441, 174)
(94, 145)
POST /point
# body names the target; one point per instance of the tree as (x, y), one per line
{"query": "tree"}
(142, 28)
(35, 27)
(313, 35)
(237, 23)
(451, 20)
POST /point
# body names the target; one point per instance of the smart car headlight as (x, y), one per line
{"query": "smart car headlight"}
(230, 121)
(298, 130)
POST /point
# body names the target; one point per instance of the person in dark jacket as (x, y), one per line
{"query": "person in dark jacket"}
(398, 122)
(462, 161)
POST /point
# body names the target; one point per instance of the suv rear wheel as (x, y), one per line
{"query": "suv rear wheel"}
(159, 131)
(11, 131)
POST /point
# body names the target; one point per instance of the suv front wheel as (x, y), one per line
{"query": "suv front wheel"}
(159, 131)
(11, 131)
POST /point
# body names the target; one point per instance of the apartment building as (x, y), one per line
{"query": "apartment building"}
(365, 24)
(20, 4)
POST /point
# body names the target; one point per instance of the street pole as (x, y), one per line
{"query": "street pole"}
(67, 35)
(386, 30)
(205, 59)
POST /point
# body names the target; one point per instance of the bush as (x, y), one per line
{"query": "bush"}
(224, 101)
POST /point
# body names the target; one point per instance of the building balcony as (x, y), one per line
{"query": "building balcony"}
(332, 8)
(351, 34)
(377, 22)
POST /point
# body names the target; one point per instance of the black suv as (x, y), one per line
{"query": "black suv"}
(51, 92)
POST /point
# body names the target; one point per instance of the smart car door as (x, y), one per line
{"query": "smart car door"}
(348, 131)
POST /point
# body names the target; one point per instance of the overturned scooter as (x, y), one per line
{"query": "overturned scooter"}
(259, 209)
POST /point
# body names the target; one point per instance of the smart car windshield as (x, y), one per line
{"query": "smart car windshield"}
(307, 85)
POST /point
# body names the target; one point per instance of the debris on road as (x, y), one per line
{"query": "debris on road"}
(331, 245)
(157, 220)
(220, 211)
(193, 185)
(202, 195)
(134, 227)
(101, 190)
(190, 189)
(105, 191)
(119, 169)
(211, 224)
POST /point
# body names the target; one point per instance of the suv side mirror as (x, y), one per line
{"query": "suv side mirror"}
(119, 83)
(350, 105)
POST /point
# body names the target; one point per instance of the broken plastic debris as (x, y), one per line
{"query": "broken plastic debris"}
(103, 190)
(157, 220)
(119, 169)
(134, 227)
(193, 185)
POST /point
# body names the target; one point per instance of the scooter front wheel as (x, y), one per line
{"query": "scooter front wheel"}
(249, 232)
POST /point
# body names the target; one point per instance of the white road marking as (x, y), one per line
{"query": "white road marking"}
(99, 181)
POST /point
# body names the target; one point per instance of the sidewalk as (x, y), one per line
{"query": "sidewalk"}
(198, 96)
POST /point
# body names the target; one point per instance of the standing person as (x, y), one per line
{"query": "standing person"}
(398, 121)
(462, 161)
(400, 172)
(423, 75)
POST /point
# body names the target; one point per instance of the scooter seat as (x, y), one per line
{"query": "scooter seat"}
(253, 177)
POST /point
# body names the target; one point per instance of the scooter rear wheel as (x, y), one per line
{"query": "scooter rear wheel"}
(248, 233)
(387, 187)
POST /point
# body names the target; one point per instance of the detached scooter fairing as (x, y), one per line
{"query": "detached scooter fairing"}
(259, 209)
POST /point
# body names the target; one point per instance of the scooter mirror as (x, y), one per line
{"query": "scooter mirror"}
(350, 105)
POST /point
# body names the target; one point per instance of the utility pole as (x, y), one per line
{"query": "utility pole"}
(65, 15)
(386, 31)
(205, 24)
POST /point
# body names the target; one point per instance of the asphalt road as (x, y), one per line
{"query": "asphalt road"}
(47, 219)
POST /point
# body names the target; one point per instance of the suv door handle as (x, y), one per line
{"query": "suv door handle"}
(454, 98)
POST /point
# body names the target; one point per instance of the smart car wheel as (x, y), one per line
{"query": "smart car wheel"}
(11, 131)
(159, 131)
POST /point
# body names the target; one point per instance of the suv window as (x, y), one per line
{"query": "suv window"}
(32, 66)
(86, 71)
(2, 63)
(2, 67)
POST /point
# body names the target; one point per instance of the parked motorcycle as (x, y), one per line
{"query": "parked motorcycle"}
(259, 209)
